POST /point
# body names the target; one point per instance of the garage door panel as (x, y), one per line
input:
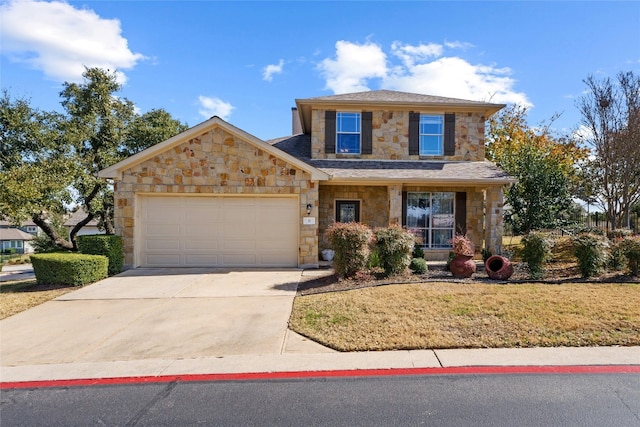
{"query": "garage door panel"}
(218, 231)
(162, 259)
(196, 260)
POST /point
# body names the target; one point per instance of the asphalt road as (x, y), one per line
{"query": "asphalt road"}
(443, 400)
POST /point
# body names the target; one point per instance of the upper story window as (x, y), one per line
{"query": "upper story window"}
(431, 135)
(348, 133)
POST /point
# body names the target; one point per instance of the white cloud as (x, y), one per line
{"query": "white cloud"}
(210, 107)
(353, 66)
(422, 69)
(412, 54)
(61, 40)
(272, 69)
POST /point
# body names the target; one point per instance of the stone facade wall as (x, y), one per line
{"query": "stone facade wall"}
(494, 219)
(374, 206)
(216, 162)
(390, 137)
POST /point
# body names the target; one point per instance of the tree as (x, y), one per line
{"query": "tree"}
(50, 161)
(544, 165)
(611, 128)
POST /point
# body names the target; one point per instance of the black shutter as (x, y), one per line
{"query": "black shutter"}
(366, 134)
(461, 213)
(329, 132)
(414, 133)
(449, 134)
(404, 208)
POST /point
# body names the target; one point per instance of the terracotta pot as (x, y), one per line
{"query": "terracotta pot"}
(462, 266)
(498, 267)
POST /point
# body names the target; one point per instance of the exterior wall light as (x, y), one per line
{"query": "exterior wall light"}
(308, 208)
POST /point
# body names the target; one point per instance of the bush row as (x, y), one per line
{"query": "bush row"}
(357, 248)
(69, 268)
(77, 269)
(594, 251)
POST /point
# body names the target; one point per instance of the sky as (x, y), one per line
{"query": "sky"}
(247, 62)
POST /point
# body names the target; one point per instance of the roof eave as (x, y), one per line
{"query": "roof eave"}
(115, 171)
(453, 182)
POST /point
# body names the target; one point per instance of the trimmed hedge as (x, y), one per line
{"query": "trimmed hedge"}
(69, 268)
(104, 244)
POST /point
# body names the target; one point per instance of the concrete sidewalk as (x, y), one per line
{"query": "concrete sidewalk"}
(325, 361)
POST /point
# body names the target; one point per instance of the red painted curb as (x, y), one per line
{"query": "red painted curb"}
(467, 370)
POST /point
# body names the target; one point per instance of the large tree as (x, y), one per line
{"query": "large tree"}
(544, 165)
(50, 160)
(611, 128)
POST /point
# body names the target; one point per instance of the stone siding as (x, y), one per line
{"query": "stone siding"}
(219, 163)
(390, 137)
(374, 206)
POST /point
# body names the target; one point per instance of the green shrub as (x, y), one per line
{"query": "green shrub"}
(10, 251)
(418, 266)
(104, 244)
(418, 252)
(69, 269)
(394, 246)
(451, 257)
(617, 259)
(536, 250)
(350, 241)
(631, 249)
(486, 254)
(591, 251)
(374, 259)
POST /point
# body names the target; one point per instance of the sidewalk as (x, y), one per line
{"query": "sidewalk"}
(16, 272)
(302, 355)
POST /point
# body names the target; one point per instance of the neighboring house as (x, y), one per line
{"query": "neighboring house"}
(27, 227)
(14, 240)
(215, 195)
(89, 228)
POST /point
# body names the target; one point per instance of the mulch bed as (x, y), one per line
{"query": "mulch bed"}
(325, 280)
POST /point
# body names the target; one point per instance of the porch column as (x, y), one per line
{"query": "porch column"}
(395, 204)
(493, 219)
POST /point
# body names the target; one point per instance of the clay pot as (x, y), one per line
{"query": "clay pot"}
(462, 266)
(498, 267)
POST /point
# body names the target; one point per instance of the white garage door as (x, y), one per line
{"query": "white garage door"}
(218, 231)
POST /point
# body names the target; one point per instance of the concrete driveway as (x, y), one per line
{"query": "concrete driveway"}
(156, 313)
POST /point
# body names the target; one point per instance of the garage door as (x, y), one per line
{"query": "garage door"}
(218, 231)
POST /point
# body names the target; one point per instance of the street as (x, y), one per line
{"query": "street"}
(456, 400)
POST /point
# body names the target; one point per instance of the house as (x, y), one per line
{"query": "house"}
(27, 226)
(90, 228)
(215, 195)
(14, 240)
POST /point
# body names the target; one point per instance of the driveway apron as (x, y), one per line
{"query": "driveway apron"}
(156, 313)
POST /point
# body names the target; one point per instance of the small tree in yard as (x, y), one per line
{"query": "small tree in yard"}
(394, 246)
(350, 241)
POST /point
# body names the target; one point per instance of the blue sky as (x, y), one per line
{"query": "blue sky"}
(247, 62)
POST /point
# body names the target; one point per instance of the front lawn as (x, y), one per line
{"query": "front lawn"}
(471, 315)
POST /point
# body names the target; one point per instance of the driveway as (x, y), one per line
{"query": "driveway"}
(156, 313)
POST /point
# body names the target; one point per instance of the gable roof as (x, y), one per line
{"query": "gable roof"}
(391, 99)
(78, 216)
(115, 171)
(14, 234)
(384, 171)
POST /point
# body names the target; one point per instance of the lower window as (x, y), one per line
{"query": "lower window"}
(347, 211)
(431, 217)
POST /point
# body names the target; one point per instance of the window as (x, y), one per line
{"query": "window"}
(430, 216)
(347, 211)
(431, 132)
(348, 133)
